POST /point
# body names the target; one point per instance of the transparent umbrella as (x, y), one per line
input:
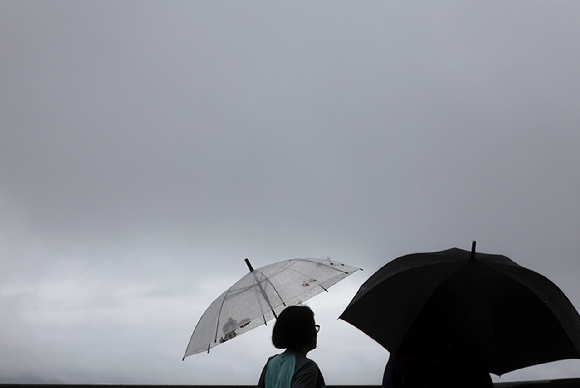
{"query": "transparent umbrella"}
(261, 295)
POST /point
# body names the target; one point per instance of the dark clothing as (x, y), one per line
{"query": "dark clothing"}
(291, 370)
(409, 373)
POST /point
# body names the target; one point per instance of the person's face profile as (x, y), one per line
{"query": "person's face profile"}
(315, 338)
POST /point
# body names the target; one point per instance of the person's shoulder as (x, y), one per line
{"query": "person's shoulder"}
(303, 362)
(302, 357)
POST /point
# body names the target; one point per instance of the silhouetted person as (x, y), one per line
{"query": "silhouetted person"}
(295, 331)
(406, 373)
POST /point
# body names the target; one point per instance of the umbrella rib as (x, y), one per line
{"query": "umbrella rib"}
(265, 297)
(217, 325)
(324, 264)
(277, 293)
(259, 283)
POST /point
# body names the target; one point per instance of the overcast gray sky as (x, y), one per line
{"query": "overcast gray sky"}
(147, 148)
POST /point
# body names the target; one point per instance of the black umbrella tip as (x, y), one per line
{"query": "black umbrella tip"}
(249, 265)
(473, 250)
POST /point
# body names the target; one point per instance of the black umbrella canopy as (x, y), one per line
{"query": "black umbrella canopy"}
(471, 309)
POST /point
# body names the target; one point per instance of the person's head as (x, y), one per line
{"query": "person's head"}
(295, 329)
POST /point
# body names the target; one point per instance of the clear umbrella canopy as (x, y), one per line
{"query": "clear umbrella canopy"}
(262, 294)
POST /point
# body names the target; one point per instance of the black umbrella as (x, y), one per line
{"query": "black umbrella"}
(470, 309)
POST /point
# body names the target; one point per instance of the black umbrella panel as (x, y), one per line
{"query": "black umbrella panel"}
(470, 309)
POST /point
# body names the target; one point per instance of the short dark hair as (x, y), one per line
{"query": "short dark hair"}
(294, 328)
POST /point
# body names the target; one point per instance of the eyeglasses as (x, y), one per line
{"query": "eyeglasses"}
(317, 327)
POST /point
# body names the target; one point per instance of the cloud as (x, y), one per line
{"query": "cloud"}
(147, 149)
